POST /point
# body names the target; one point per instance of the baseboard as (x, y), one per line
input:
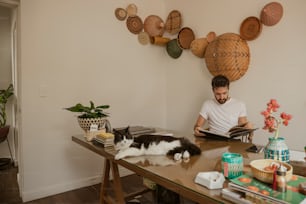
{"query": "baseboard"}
(60, 188)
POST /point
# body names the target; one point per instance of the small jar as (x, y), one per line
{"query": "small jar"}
(281, 179)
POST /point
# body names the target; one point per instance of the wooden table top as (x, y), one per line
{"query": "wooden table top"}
(179, 175)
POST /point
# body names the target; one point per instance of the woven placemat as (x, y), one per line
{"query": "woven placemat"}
(228, 55)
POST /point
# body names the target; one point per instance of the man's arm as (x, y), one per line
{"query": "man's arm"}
(198, 125)
(244, 120)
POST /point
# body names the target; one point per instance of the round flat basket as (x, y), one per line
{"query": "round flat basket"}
(228, 55)
(131, 10)
(185, 37)
(143, 38)
(120, 14)
(134, 24)
(198, 47)
(211, 36)
(173, 22)
(173, 49)
(250, 28)
(271, 13)
(154, 25)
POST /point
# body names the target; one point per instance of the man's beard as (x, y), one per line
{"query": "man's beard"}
(222, 101)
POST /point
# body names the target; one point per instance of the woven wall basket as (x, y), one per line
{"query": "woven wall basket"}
(228, 55)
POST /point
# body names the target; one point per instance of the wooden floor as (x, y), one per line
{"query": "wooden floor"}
(9, 192)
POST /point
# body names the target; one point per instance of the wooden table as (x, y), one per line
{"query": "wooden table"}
(176, 176)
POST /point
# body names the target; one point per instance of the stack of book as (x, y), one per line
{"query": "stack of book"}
(246, 189)
(107, 139)
(140, 130)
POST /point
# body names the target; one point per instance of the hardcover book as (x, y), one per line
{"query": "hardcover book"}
(236, 131)
(257, 190)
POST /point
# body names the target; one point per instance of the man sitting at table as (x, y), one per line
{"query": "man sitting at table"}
(223, 112)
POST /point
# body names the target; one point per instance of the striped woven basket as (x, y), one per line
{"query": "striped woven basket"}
(228, 55)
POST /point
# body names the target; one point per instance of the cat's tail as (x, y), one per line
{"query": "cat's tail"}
(186, 145)
(190, 147)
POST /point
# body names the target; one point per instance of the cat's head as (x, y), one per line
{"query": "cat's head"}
(123, 138)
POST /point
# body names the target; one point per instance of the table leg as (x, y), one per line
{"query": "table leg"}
(105, 186)
(117, 183)
(105, 181)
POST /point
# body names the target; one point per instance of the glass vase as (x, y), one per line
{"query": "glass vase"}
(277, 149)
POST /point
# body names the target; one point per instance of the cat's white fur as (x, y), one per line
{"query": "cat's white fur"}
(154, 160)
(161, 149)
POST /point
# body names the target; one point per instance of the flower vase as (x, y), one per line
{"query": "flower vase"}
(277, 149)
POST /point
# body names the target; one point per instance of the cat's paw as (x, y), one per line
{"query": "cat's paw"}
(177, 156)
(118, 156)
(186, 155)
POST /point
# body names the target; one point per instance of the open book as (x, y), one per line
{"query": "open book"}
(236, 131)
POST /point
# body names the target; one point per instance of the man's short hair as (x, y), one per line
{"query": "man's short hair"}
(220, 81)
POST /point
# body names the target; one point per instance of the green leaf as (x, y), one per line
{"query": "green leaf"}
(103, 106)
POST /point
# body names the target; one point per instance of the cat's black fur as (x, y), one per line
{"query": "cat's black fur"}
(152, 145)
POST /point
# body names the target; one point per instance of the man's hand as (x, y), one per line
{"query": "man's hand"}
(197, 131)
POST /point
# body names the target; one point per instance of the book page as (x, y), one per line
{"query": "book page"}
(214, 134)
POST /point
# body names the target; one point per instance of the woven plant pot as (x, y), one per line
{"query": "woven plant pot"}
(228, 55)
(86, 122)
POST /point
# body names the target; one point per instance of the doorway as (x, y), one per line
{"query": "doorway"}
(8, 73)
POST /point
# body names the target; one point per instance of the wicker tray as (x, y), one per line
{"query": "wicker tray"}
(259, 173)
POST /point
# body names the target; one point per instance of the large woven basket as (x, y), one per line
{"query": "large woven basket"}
(228, 55)
(257, 167)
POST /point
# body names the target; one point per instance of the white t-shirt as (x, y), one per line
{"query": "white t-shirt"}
(222, 117)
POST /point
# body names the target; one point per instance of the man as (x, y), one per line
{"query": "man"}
(222, 112)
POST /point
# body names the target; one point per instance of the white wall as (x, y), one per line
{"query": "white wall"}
(277, 66)
(76, 50)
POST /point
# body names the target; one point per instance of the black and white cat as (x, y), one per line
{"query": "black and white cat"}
(179, 148)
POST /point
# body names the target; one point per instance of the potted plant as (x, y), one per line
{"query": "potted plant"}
(276, 148)
(5, 94)
(91, 114)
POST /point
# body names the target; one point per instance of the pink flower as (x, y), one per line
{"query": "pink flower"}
(271, 122)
